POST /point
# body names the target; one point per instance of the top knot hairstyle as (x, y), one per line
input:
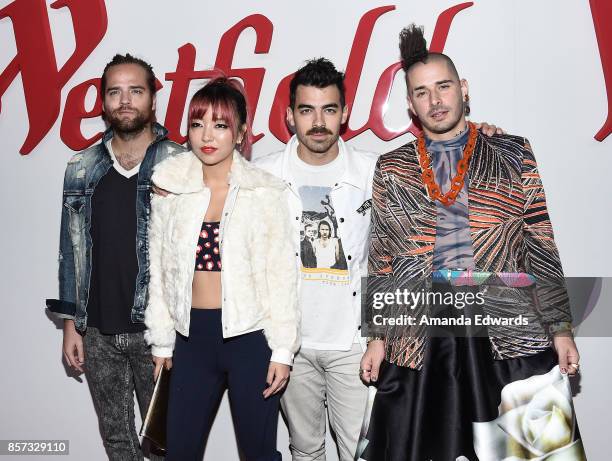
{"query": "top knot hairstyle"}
(127, 58)
(413, 46)
(227, 99)
(413, 49)
(319, 73)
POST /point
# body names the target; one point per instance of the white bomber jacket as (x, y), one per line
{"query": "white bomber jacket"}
(259, 275)
(352, 199)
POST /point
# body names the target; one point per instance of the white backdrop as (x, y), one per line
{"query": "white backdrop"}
(533, 68)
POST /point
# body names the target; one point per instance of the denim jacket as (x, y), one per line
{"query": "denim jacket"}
(83, 172)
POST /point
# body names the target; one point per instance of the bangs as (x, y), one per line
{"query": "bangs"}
(222, 110)
(226, 98)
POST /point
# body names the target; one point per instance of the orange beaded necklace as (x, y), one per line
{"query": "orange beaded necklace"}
(435, 193)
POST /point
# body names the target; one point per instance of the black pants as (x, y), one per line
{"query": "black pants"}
(203, 365)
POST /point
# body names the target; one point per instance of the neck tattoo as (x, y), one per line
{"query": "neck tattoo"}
(461, 131)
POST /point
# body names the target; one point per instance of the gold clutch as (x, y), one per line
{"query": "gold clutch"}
(154, 425)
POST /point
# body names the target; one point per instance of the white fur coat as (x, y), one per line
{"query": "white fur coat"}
(259, 272)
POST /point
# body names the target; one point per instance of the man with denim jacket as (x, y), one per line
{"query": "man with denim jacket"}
(103, 260)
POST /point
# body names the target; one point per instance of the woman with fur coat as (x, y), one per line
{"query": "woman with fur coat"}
(223, 290)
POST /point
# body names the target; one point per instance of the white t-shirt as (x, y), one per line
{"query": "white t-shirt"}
(328, 321)
(122, 171)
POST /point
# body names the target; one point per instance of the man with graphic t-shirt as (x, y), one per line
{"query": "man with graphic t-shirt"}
(103, 261)
(329, 192)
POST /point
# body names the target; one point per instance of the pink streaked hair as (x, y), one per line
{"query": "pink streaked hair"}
(228, 100)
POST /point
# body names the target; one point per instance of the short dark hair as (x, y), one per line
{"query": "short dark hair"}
(413, 49)
(129, 59)
(319, 73)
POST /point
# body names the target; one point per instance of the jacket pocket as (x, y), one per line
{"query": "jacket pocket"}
(75, 204)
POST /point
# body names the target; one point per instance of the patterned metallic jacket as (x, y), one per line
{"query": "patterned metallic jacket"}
(509, 226)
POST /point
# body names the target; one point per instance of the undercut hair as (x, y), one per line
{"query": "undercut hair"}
(129, 59)
(413, 49)
(319, 73)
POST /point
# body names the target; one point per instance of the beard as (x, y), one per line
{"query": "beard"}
(123, 125)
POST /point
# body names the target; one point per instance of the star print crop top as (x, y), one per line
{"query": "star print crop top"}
(208, 257)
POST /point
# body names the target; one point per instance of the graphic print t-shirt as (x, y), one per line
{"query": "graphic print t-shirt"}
(328, 321)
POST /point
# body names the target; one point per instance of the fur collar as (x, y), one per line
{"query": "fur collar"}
(182, 174)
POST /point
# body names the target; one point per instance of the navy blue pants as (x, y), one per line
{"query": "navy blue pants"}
(203, 365)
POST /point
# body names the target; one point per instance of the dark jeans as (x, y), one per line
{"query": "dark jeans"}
(116, 365)
(203, 365)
